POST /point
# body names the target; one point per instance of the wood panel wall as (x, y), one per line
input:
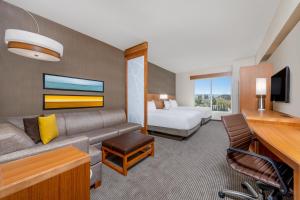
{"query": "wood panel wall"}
(213, 75)
(247, 85)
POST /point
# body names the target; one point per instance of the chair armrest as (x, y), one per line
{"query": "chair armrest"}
(81, 142)
(267, 159)
(254, 138)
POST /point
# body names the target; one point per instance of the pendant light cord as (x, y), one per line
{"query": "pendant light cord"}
(35, 21)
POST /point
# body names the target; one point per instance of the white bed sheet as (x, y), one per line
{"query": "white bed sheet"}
(174, 118)
(205, 112)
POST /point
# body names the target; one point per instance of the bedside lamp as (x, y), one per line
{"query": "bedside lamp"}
(163, 96)
(261, 92)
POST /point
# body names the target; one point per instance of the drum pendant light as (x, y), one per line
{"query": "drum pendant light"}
(33, 45)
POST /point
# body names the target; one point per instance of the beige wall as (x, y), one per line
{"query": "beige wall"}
(21, 78)
(237, 65)
(185, 88)
(287, 54)
(281, 17)
(161, 81)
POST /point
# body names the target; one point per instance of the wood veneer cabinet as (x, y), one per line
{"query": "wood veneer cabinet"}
(61, 174)
(247, 85)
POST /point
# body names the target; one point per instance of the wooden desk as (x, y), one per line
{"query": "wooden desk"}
(59, 174)
(272, 117)
(281, 135)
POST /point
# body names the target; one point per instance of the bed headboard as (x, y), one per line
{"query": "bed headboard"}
(158, 102)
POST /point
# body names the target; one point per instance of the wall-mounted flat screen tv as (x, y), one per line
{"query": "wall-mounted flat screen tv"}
(280, 86)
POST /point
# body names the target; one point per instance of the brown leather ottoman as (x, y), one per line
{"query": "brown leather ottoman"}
(130, 147)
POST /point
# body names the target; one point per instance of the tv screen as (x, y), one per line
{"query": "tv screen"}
(280, 86)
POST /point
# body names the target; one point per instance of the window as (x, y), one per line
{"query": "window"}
(214, 93)
(203, 93)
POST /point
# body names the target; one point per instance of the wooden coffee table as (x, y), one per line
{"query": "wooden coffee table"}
(130, 147)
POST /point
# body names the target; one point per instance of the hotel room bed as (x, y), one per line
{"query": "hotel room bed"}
(168, 118)
(174, 122)
(205, 113)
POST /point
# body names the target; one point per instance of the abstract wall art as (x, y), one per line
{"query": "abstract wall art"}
(57, 101)
(57, 82)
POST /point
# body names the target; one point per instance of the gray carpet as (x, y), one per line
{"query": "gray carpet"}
(191, 169)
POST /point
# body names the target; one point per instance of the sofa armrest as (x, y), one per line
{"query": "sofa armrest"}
(81, 142)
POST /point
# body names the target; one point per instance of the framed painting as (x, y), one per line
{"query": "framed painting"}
(58, 101)
(57, 82)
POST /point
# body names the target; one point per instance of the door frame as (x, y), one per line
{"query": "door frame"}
(134, 52)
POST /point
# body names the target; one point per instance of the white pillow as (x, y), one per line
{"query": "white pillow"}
(151, 106)
(173, 103)
(167, 105)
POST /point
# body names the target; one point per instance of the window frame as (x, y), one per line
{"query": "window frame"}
(210, 77)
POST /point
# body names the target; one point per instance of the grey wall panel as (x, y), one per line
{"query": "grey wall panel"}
(161, 80)
(21, 86)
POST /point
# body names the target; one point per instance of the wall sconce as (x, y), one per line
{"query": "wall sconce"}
(163, 96)
(261, 92)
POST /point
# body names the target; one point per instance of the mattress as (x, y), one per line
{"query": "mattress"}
(174, 118)
(205, 112)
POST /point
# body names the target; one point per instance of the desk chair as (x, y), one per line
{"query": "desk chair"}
(277, 178)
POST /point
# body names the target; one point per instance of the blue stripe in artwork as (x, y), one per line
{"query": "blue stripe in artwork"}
(66, 83)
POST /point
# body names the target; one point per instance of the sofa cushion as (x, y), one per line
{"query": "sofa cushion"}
(97, 145)
(31, 127)
(61, 124)
(48, 128)
(13, 139)
(96, 173)
(127, 127)
(95, 155)
(60, 121)
(83, 122)
(97, 136)
(113, 117)
(18, 121)
(80, 142)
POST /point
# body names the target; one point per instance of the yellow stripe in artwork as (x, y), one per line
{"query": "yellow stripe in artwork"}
(71, 101)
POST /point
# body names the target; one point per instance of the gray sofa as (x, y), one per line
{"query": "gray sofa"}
(84, 130)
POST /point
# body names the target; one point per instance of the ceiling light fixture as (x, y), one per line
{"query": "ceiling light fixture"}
(33, 45)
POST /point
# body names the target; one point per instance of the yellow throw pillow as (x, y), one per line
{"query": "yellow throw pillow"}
(48, 128)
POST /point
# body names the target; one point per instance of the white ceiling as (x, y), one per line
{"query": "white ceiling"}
(183, 35)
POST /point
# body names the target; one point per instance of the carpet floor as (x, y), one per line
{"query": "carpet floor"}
(195, 168)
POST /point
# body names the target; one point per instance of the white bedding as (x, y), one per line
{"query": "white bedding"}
(204, 111)
(174, 118)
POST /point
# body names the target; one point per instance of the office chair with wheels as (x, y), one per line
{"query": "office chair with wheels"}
(271, 176)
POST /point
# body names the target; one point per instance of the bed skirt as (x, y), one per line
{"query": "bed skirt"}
(175, 132)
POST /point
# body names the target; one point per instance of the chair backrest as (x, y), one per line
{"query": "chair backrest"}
(238, 131)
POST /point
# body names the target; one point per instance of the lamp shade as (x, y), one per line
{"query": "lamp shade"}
(33, 45)
(163, 96)
(261, 86)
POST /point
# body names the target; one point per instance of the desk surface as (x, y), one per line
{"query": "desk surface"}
(282, 140)
(271, 117)
(23, 173)
(281, 135)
